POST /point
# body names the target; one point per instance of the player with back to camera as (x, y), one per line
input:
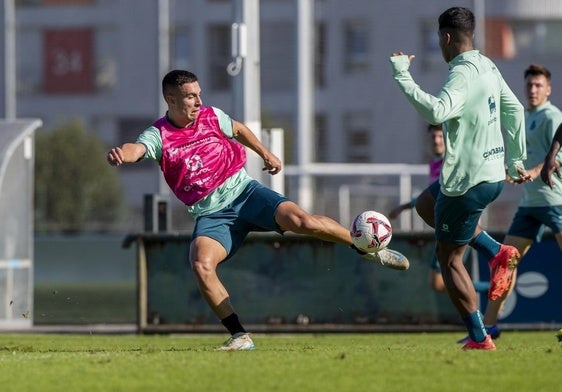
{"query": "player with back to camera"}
(201, 153)
(473, 105)
(438, 151)
(539, 205)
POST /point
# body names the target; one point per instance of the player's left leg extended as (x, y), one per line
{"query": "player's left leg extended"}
(291, 217)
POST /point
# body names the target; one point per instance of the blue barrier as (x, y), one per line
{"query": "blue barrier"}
(538, 290)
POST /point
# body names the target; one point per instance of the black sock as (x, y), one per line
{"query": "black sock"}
(233, 324)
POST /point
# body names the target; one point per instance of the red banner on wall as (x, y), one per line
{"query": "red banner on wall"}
(68, 60)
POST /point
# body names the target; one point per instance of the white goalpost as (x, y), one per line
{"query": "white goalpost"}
(16, 227)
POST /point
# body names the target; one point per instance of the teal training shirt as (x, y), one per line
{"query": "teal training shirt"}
(473, 105)
(541, 124)
(220, 197)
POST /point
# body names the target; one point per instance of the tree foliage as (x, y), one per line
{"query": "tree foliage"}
(75, 188)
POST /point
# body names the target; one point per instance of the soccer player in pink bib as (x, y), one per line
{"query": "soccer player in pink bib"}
(201, 152)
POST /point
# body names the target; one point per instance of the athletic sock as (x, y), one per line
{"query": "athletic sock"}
(435, 263)
(486, 244)
(475, 326)
(481, 286)
(232, 324)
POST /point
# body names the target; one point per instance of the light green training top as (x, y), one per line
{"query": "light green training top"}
(541, 124)
(473, 105)
(225, 194)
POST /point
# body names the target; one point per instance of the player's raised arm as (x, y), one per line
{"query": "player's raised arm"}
(127, 153)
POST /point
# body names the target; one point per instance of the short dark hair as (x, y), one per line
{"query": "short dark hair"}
(536, 70)
(434, 127)
(458, 19)
(177, 78)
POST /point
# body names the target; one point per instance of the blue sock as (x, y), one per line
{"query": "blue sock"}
(486, 244)
(475, 326)
(481, 286)
(435, 266)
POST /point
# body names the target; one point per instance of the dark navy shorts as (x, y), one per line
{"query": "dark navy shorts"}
(456, 218)
(253, 210)
(434, 189)
(528, 221)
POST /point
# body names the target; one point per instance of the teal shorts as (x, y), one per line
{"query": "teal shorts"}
(434, 189)
(456, 218)
(253, 210)
(529, 222)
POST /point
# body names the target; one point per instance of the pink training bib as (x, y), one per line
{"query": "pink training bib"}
(197, 159)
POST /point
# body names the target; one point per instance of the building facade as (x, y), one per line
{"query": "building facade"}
(98, 60)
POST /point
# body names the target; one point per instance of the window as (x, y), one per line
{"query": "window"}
(278, 61)
(519, 38)
(357, 129)
(52, 2)
(356, 46)
(320, 55)
(105, 59)
(499, 39)
(181, 49)
(430, 43)
(218, 54)
(66, 2)
(321, 139)
(536, 37)
(28, 62)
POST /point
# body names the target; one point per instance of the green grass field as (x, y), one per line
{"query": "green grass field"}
(524, 361)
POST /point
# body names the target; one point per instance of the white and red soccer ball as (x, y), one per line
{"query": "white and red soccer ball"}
(371, 231)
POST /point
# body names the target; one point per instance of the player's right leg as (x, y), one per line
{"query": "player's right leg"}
(205, 254)
(456, 219)
(456, 277)
(521, 245)
(215, 238)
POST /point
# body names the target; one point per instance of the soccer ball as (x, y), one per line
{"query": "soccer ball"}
(371, 231)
